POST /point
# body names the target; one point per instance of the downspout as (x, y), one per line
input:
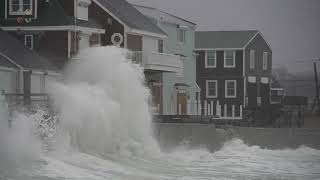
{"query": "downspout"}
(75, 25)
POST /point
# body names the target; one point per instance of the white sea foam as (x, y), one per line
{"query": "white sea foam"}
(103, 131)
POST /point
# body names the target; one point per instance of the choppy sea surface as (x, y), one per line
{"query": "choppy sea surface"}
(234, 161)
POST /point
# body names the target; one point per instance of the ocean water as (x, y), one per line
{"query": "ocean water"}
(102, 130)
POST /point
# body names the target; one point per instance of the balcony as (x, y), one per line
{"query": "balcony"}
(158, 61)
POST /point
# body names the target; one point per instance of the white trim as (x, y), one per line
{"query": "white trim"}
(244, 77)
(141, 32)
(276, 89)
(69, 44)
(244, 62)
(265, 61)
(226, 88)
(180, 30)
(2, 68)
(269, 46)
(254, 38)
(225, 58)
(36, 9)
(245, 46)
(54, 28)
(244, 91)
(217, 49)
(25, 40)
(207, 88)
(264, 80)
(252, 79)
(6, 9)
(206, 60)
(252, 59)
(20, 12)
(11, 61)
(48, 73)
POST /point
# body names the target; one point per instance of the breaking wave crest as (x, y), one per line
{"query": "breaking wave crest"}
(102, 130)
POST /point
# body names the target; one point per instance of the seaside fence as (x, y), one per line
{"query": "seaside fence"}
(208, 108)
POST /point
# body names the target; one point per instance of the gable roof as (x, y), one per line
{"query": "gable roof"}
(223, 39)
(156, 14)
(16, 54)
(130, 16)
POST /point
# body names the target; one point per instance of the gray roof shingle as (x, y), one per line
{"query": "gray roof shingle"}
(130, 16)
(17, 52)
(223, 39)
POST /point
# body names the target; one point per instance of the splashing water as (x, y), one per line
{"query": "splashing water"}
(103, 131)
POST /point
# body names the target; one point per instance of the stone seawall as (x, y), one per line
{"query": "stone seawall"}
(172, 135)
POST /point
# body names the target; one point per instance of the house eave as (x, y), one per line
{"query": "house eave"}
(217, 49)
(54, 28)
(146, 33)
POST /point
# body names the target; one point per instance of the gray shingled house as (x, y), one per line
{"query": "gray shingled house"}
(234, 69)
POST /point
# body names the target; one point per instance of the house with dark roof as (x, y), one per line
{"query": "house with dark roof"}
(179, 89)
(55, 29)
(233, 71)
(22, 71)
(127, 27)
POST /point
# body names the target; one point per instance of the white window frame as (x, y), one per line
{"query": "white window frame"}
(207, 88)
(25, 40)
(206, 59)
(226, 88)
(179, 30)
(234, 59)
(265, 61)
(20, 11)
(252, 59)
(159, 40)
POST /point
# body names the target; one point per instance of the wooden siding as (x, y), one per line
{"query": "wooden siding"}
(102, 17)
(259, 45)
(134, 42)
(219, 70)
(221, 74)
(68, 6)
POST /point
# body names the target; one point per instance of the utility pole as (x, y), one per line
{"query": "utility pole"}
(317, 99)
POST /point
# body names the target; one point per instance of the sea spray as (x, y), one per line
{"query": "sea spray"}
(102, 104)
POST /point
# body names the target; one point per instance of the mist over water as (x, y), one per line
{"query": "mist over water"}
(102, 130)
(102, 104)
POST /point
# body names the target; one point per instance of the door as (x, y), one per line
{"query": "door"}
(182, 99)
(156, 92)
(252, 95)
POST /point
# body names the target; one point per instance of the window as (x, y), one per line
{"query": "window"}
(160, 46)
(230, 88)
(181, 36)
(265, 61)
(229, 59)
(211, 88)
(210, 59)
(252, 59)
(28, 41)
(20, 7)
(95, 39)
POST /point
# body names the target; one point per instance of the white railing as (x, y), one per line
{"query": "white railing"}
(158, 61)
(211, 108)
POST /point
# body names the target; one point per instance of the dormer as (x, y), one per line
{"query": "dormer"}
(81, 9)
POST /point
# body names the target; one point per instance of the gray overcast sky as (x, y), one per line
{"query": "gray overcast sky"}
(292, 27)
